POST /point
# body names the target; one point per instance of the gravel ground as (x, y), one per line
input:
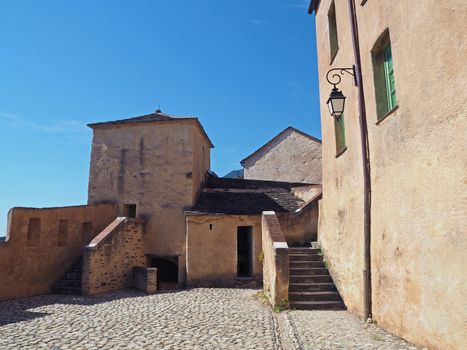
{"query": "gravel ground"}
(190, 319)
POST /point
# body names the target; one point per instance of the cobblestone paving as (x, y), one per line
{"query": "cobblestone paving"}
(191, 319)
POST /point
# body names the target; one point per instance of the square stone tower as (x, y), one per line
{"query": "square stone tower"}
(153, 166)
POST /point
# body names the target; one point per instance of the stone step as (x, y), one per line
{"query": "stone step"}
(303, 287)
(308, 271)
(302, 264)
(70, 283)
(317, 305)
(304, 250)
(304, 257)
(73, 276)
(310, 278)
(314, 296)
(67, 290)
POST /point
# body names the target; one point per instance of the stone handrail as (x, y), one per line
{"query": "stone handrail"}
(276, 260)
(105, 234)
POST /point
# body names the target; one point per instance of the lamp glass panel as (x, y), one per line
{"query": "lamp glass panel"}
(338, 105)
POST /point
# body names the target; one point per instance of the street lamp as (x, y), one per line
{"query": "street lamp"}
(336, 100)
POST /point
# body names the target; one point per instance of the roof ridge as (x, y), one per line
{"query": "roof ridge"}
(268, 143)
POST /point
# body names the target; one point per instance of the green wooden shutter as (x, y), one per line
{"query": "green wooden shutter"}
(389, 77)
(339, 130)
(333, 40)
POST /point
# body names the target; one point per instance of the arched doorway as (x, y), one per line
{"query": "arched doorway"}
(167, 272)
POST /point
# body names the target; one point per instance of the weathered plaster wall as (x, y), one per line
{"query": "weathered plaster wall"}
(158, 166)
(109, 260)
(300, 227)
(31, 267)
(293, 158)
(201, 161)
(212, 252)
(276, 260)
(418, 164)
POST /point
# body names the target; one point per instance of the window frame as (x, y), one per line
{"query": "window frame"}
(384, 77)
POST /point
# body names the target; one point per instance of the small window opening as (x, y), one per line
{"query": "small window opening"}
(130, 210)
(62, 233)
(332, 24)
(210, 226)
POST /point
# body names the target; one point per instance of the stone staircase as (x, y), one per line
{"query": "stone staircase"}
(310, 284)
(70, 283)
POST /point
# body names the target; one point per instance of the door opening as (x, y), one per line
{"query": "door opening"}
(167, 272)
(244, 251)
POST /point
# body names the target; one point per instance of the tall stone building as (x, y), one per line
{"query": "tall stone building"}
(291, 155)
(414, 80)
(154, 166)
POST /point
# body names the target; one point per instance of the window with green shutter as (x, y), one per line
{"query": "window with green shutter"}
(339, 131)
(383, 70)
(333, 41)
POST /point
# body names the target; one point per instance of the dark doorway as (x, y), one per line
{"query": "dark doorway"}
(167, 272)
(244, 251)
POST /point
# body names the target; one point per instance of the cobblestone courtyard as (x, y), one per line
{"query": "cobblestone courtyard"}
(190, 319)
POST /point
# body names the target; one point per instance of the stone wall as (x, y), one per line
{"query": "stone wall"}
(109, 259)
(212, 248)
(157, 166)
(145, 279)
(418, 163)
(291, 156)
(42, 244)
(301, 227)
(276, 260)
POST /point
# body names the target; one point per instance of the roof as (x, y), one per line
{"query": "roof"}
(157, 116)
(245, 197)
(271, 142)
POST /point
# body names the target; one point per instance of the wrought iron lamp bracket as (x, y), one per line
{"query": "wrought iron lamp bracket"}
(335, 78)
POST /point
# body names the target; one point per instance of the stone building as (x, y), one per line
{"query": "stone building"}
(291, 155)
(415, 91)
(153, 166)
(156, 218)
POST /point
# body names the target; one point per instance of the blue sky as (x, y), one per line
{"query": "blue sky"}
(246, 68)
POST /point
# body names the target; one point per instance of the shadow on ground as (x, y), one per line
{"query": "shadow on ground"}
(22, 309)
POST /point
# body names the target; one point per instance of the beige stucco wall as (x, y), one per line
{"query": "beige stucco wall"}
(27, 270)
(292, 157)
(300, 227)
(276, 260)
(212, 253)
(418, 166)
(160, 167)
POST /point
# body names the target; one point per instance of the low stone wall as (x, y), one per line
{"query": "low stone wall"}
(302, 226)
(110, 257)
(43, 243)
(145, 279)
(276, 260)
